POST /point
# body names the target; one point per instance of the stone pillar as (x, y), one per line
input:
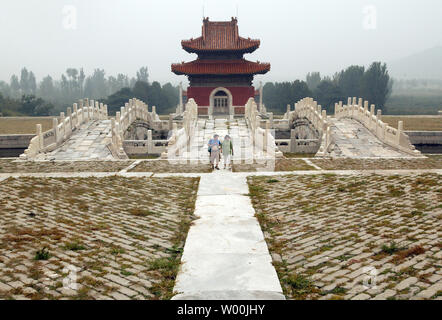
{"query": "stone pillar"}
(105, 112)
(149, 142)
(400, 128)
(80, 108)
(63, 125)
(181, 97)
(75, 118)
(271, 119)
(260, 96)
(121, 122)
(170, 121)
(55, 128)
(378, 118)
(292, 141)
(40, 137)
(70, 119)
(113, 132)
(266, 137)
(89, 111)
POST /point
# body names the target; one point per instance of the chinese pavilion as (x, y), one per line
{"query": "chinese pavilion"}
(220, 78)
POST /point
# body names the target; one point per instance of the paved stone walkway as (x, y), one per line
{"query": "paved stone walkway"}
(238, 131)
(117, 237)
(353, 140)
(87, 142)
(353, 237)
(226, 256)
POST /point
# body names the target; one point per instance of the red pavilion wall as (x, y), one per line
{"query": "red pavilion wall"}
(201, 95)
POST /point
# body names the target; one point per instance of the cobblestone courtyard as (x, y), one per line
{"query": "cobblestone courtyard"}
(353, 237)
(122, 236)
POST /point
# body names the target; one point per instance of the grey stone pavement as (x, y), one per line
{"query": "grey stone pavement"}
(88, 142)
(353, 140)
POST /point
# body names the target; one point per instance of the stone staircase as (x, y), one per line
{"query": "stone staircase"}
(236, 129)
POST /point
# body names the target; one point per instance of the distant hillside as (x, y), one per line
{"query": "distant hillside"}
(423, 65)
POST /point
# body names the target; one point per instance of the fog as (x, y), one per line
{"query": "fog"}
(296, 36)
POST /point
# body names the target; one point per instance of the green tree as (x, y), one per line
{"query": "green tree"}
(376, 85)
(350, 81)
(313, 79)
(117, 100)
(143, 75)
(276, 96)
(33, 106)
(46, 89)
(15, 86)
(327, 94)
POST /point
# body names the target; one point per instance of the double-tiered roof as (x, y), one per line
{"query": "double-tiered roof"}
(220, 36)
(220, 50)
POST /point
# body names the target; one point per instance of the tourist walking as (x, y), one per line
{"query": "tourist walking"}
(227, 149)
(214, 149)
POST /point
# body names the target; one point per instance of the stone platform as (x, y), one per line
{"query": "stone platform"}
(352, 140)
(89, 142)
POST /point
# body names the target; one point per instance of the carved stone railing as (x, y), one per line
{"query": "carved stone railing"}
(133, 110)
(359, 110)
(86, 110)
(180, 139)
(309, 109)
(261, 138)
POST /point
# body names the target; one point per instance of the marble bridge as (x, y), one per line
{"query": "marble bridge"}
(87, 132)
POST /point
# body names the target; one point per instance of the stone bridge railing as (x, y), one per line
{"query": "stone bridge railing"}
(309, 109)
(179, 140)
(262, 139)
(359, 110)
(133, 110)
(86, 110)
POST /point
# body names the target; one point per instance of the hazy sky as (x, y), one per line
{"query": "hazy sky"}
(297, 36)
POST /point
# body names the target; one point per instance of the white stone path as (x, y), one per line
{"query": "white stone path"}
(88, 142)
(353, 140)
(225, 255)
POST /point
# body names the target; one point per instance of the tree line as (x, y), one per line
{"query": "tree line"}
(49, 96)
(24, 96)
(373, 84)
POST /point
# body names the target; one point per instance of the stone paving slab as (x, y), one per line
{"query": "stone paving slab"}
(15, 165)
(122, 235)
(225, 252)
(353, 236)
(431, 162)
(352, 140)
(88, 142)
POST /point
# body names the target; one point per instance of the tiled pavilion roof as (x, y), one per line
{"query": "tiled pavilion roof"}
(220, 36)
(220, 67)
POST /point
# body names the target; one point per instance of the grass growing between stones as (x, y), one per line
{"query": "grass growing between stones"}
(283, 164)
(15, 165)
(123, 236)
(164, 166)
(325, 231)
(431, 162)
